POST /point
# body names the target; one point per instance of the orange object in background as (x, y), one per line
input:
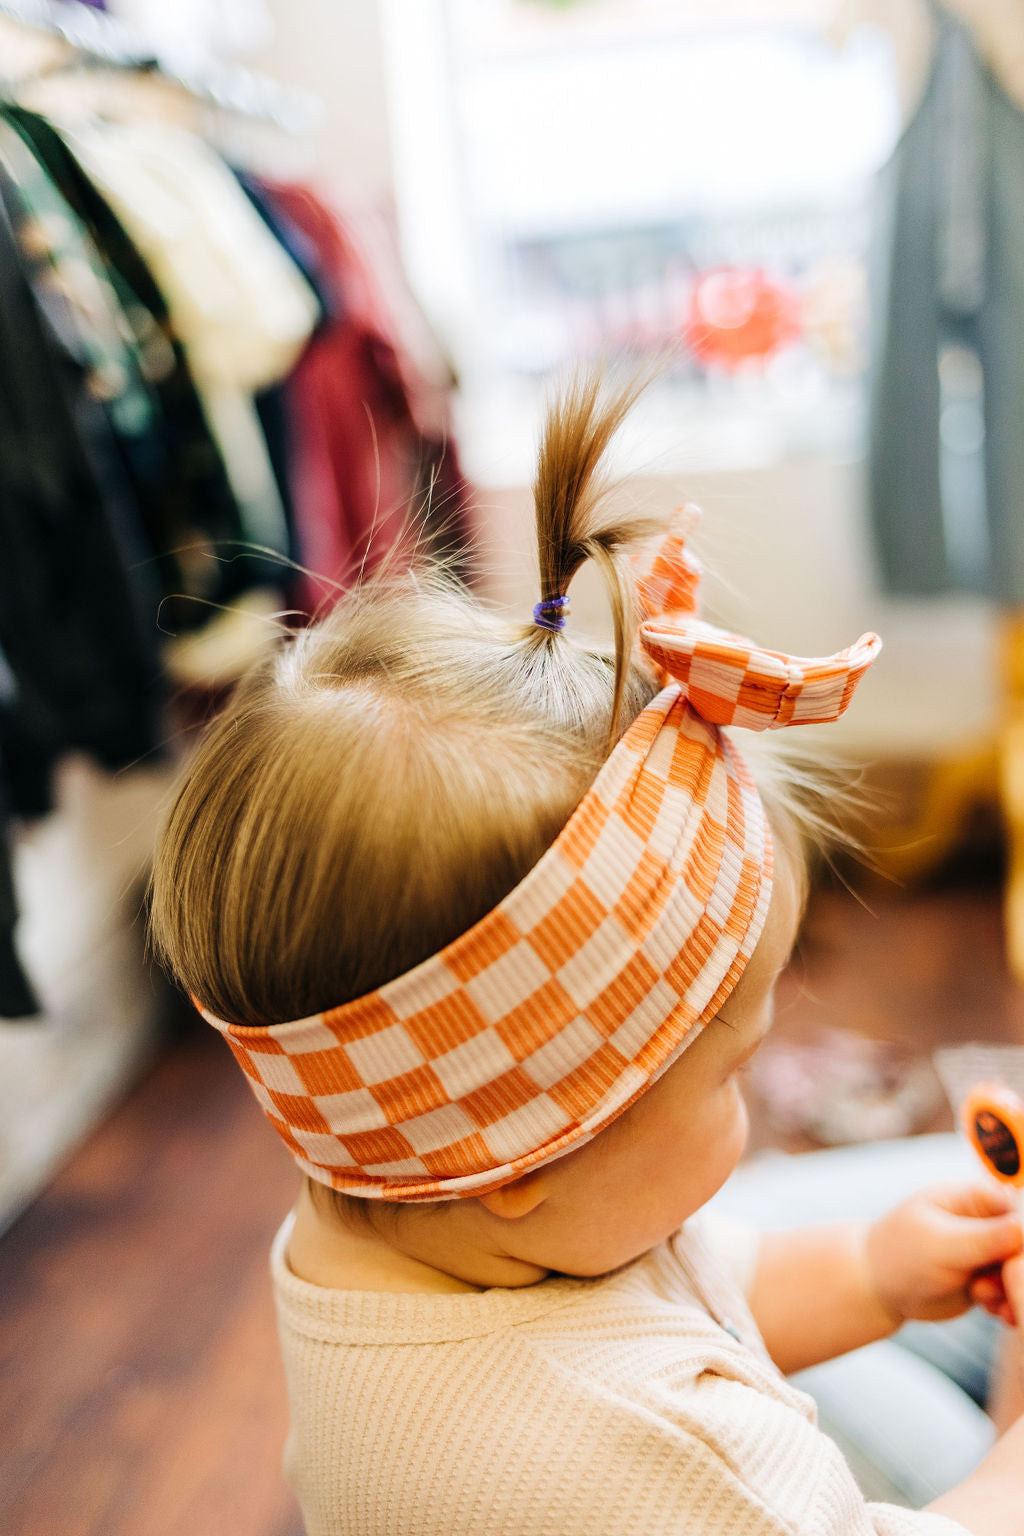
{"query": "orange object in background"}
(993, 1118)
(737, 314)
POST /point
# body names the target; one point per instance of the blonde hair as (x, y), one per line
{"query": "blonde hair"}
(391, 773)
(384, 779)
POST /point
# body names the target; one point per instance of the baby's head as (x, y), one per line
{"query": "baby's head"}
(489, 917)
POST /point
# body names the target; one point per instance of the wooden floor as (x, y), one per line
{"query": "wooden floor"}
(140, 1389)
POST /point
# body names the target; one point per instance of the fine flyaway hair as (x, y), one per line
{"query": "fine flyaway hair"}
(385, 777)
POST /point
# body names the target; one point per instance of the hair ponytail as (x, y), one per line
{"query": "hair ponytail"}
(574, 521)
(382, 781)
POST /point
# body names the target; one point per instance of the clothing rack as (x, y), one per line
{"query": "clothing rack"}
(93, 38)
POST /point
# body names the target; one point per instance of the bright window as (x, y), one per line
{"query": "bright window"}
(600, 177)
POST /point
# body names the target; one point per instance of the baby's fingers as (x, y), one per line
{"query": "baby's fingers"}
(986, 1290)
(988, 1199)
(1013, 1284)
(979, 1242)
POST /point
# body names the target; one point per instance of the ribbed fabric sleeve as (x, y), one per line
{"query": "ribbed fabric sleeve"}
(639, 1404)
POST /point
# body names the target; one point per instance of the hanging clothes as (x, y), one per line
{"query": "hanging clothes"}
(997, 27)
(946, 453)
(272, 401)
(74, 578)
(184, 495)
(120, 521)
(363, 462)
(17, 999)
(238, 303)
(65, 262)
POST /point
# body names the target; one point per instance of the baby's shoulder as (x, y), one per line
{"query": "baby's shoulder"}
(665, 1312)
(568, 1386)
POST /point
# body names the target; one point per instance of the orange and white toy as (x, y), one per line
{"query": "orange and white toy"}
(992, 1117)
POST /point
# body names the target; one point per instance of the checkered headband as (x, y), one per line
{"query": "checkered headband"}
(529, 1033)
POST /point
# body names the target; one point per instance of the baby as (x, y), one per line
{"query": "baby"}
(491, 922)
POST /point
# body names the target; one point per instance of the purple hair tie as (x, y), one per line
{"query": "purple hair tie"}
(549, 613)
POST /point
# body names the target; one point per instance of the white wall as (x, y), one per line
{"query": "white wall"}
(332, 49)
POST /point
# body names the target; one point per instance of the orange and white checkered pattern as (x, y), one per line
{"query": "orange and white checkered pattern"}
(667, 572)
(528, 1034)
(727, 678)
(730, 681)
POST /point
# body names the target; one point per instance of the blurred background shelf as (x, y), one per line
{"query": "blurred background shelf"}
(80, 877)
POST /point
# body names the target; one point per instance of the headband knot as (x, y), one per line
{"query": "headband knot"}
(726, 678)
(550, 612)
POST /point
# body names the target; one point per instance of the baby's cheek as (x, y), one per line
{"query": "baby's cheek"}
(727, 1129)
(740, 1120)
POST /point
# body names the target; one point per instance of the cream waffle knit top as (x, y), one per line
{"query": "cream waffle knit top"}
(642, 1403)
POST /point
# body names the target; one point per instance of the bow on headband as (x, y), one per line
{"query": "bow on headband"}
(727, 679)
(529, 1033)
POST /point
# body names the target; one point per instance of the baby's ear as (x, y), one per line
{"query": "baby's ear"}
(518, 1198)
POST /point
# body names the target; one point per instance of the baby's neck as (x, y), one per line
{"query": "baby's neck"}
(326, 1251)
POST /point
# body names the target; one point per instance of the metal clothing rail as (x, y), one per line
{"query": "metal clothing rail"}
(95, 38)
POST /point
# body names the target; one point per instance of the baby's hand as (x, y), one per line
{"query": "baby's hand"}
(925, 1258)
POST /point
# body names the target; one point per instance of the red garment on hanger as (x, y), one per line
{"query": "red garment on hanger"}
(363, 421)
